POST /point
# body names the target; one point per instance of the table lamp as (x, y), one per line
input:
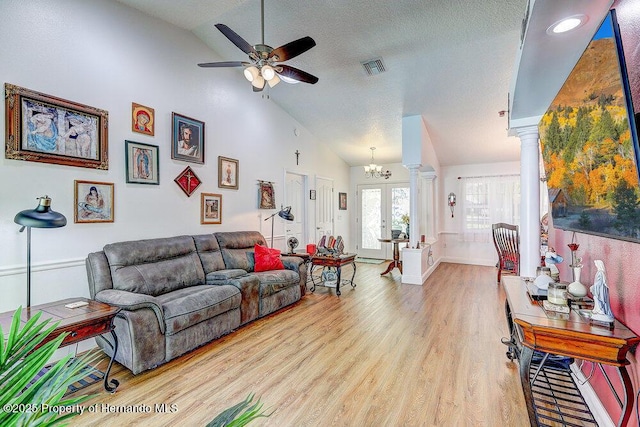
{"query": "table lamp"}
(40, 217)
(284, 213)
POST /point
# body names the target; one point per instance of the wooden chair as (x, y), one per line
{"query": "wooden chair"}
(506, 238)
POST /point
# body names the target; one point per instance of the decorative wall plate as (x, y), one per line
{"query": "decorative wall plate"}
(188, 181)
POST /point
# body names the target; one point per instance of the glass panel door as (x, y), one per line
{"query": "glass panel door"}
(380, 215)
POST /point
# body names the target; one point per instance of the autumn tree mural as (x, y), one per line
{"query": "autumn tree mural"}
(588, 150)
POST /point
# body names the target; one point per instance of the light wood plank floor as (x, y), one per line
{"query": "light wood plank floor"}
(383, 354)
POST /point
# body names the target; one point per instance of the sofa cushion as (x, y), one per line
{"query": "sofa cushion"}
(209, 252)
(267, 259)
(274, 281)
(225, 274)
(234, 246)
(155, 266)
(186, 307)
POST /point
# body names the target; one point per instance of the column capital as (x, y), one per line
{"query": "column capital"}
(414, 166)
(527, 131)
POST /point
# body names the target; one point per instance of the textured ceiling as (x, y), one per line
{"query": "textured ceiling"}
(449, 61)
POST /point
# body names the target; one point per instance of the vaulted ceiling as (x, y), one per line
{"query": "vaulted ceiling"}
(450, 61)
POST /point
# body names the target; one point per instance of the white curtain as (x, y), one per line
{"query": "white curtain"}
(485, 201)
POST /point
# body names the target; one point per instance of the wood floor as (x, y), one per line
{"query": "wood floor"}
(383, 354)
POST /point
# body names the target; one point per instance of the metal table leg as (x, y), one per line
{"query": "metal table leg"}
(114, 383)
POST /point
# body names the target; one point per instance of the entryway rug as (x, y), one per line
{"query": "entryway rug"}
(369, 260)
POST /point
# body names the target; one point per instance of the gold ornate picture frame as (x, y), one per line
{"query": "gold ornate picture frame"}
(48, 129)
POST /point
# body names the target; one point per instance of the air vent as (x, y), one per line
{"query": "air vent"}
(374, 66)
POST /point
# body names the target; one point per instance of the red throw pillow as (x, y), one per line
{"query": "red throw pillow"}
(267, 259)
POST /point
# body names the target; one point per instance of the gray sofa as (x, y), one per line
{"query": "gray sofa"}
(181, 292)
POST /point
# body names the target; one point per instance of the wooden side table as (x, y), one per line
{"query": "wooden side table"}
(336, 262)
(81, 323)
(396, 263)
(572, 335)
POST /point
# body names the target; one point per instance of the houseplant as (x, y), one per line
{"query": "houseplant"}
(25, 398)
(239, 415)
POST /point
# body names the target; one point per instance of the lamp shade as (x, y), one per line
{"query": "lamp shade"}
(285, 213)
(41, 217)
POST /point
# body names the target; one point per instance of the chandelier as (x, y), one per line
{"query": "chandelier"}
(375, 171)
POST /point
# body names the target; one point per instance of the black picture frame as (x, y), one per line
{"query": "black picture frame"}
(342, 201)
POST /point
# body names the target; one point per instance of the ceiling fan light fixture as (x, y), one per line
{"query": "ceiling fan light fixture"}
(273, 81)
(268, 72)
(258, 82)
(251, 73)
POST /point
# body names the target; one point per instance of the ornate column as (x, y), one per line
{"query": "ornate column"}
(530, 200)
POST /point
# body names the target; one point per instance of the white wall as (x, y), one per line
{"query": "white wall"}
(106, 55)
(454, 250)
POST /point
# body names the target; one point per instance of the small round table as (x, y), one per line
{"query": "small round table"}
(396, 263)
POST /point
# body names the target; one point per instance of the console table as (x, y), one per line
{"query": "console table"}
(572, 335)
(396, 263)
(80, 323)
(336, 262)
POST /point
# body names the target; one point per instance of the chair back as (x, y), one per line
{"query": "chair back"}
(506, 238)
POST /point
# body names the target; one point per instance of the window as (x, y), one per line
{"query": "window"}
(488, 200)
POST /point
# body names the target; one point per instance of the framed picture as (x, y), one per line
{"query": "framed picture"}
(142, 119)
(43, 128)
(93, 201)
(342, 201)
(142, 163)
(267, 199)
(312, 194)
(227, 173)
(188, 181)
(187, 139)
(210, 208)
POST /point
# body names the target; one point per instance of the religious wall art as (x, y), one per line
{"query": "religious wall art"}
(210, 208)
(265, 194)
(142, 163)
(188, 181)
(142, 119)
(228, 173)
(44, 128)
(187, 139)
(93, 202)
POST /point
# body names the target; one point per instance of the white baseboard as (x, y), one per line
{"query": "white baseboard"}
(591, 398)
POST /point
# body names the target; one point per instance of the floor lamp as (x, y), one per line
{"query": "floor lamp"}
(284, 213)
(40, 217)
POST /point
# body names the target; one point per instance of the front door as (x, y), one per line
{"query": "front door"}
(381, 209)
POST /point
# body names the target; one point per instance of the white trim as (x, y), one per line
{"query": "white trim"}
(591, 398)
(43, 266)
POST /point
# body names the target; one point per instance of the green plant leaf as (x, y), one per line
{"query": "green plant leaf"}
(240, 414)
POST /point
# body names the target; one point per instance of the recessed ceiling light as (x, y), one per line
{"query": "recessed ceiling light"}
(567, 24)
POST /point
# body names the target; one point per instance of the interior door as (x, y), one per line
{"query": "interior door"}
(294, 197)
(381, 208)
(324, 207)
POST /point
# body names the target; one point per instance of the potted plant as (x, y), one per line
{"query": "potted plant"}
(27, 399)
(239, 415)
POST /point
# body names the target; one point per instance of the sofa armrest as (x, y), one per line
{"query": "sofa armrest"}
(132, 301)
(292, 262)
(249, 287)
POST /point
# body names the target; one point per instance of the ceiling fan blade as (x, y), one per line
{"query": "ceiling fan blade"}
(296, 74)
(241, 43)
(292, 49)
(257, 89)
(224, 64)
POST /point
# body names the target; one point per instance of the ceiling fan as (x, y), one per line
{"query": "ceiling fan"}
(265, 65)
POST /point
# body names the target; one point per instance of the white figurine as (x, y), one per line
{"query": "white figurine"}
(600, 291)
